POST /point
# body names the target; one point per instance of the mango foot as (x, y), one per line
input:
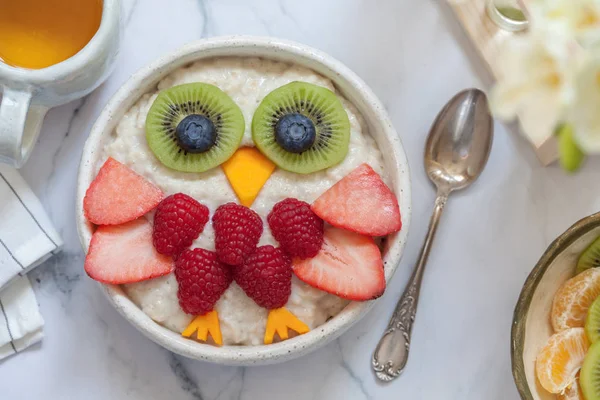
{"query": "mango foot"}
(280, 321)
(205, 324)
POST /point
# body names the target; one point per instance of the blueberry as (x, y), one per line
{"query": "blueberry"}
(196, 133)
(295, 132)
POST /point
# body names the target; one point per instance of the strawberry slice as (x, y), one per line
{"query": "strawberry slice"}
(348, 265)
(125, 254)
(361, 202)
(119, 195)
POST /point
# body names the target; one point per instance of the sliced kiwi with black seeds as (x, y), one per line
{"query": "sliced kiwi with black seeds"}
(592, 321)
(302, 128)
(194, 127)
(590, 258)
(589, 379)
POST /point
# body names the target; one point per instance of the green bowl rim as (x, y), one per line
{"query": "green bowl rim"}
(559, 245)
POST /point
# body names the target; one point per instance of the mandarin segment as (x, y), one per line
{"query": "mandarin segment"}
(558, 362)
(573, 392)
(573, 299)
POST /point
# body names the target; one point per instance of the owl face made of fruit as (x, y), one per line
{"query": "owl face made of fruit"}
(193, 128)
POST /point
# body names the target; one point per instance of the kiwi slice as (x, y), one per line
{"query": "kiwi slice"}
(571, 156)
(589, 378)
(590, 258)
(194, 127)
(592, 321)
(302, 128)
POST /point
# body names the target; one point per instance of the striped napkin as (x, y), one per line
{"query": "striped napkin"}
(27, 239)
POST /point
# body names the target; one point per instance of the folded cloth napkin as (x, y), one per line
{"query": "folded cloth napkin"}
(27, 239)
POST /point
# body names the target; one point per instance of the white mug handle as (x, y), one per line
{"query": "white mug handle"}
(20, 125)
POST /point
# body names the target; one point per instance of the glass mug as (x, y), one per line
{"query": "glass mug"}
(27, 94)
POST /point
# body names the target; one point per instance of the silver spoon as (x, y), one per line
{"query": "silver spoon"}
(456, 152)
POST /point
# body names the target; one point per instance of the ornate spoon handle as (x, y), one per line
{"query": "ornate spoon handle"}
(391, 353)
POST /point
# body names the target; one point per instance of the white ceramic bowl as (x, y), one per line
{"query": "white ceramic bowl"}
(351, 86)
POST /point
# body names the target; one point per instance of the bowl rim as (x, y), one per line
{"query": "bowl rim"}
(559, 245)
(239, 46)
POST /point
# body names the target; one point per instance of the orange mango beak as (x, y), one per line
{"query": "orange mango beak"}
(247, 172)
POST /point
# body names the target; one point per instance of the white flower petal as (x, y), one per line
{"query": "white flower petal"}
(537, 72)
(584, 113)
(576, 19)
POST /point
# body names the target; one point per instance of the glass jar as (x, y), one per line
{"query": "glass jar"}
(508, 14)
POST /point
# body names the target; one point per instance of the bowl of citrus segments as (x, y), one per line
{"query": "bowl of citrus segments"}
(555, 345)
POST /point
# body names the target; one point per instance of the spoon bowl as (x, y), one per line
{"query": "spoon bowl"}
(459, 142)
(457, 149)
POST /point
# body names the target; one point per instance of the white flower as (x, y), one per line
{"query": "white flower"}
(537, 73)
(552, 72)
(584, 112)
(578, 19)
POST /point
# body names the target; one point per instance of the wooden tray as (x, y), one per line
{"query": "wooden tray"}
(488, 38)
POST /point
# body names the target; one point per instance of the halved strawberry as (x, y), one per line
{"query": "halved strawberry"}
(119, 195)
(125, 254)
(360, 202)
(349, 265)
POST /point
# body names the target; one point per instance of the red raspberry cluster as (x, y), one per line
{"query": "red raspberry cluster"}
(264, 273)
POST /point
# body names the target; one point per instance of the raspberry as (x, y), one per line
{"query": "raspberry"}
(266, 277)
(298, 230)
(178, 221)
(202, 280)
(237, 232)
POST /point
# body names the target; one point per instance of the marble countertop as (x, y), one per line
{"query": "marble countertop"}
(414, 56)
